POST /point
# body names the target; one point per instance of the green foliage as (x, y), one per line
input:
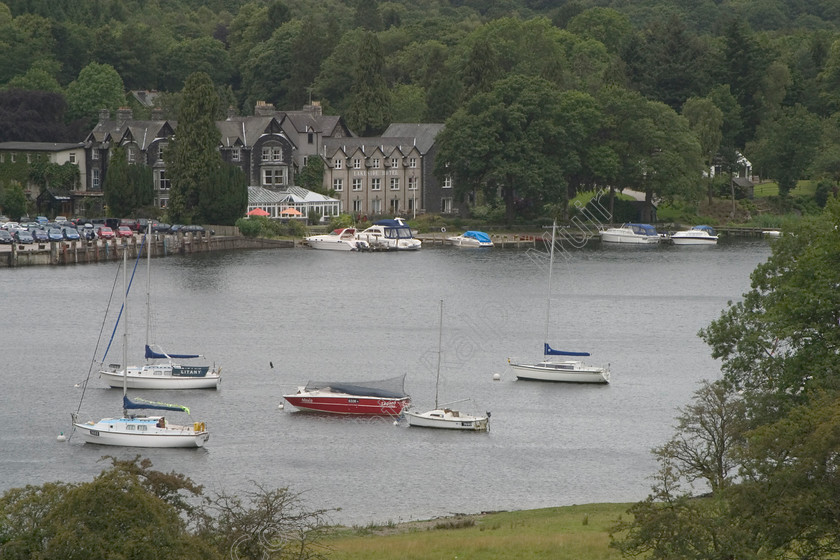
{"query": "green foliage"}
(224, 197)
(118, 193)
(13, 201)
(311, 176)
(370, 102)
(98, 86)
(252, 226)
(133, 511)
(194, 152)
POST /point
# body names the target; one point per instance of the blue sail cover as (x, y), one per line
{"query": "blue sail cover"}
(141, 404)
(549, 351)
(151, 354)
(478, 235)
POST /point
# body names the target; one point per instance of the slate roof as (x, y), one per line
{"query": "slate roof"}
(367, 145)
(425, 133)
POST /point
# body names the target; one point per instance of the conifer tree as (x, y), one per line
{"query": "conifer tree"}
(370, 103)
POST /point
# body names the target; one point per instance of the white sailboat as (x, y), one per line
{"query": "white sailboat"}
(549, 369)
(444, 417)
(169, 374)
(136, 430)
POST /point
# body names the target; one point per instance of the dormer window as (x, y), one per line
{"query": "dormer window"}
(310, 137)
(235, 154)
(357, 163)
(374, 163)
(338, 163)
(395, 162)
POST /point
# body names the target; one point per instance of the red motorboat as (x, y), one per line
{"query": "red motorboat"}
(370, 398)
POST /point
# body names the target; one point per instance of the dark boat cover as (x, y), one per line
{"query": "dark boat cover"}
(151, 354)
(549, 351)
(393, 388)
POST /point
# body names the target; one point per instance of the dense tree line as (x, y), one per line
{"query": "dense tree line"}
(761, 77)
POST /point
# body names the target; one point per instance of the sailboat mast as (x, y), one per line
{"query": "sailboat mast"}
(440, 346)
(148, 288)
(125, 324)
(548, 297)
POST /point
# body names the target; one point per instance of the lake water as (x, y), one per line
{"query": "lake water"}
(276, 318)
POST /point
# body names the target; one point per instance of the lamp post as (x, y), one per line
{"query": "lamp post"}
(413, 196)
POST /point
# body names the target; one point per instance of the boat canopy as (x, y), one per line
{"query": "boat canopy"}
(643, 229)
(151, 354)
(478, 236)
(708, 229)
(549, 351)
(395, 229)
(393, 388)
(140, 404)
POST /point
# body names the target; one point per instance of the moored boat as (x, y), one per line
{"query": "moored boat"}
(393, 235)
(637, 234)
(343, 239)
(698, 235)
(370, 398)
(470, 239)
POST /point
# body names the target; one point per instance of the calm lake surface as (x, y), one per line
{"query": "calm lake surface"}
(276, 318)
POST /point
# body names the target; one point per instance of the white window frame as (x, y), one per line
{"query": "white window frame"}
(163, 182)
(376, 206)
(95, 180)
(375, 184)
(374, 162)
(130, 155)
(94, 154)
(272, 176)
(235, 154)
(338, 184)
(412, 163)
(395, 162)
(395, 206)
(394, 183)
(412, 183)
(357, 163)
(72, 157)
(446, 205)
(162, 149)
(357, 184)
(338, 163)
(447, 182)
(357, 205)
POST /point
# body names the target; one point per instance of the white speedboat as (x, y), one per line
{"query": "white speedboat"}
(343, 239)
(698, 235)
(470, 239)
(638, 234)
(443, 417)
(393, 235)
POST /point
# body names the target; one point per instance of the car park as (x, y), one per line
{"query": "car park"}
(104, 232)
(6, 237)
(23, 236)
(70, 234)
(124, 231)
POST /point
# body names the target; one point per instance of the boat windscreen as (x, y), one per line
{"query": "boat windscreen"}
(393, 388)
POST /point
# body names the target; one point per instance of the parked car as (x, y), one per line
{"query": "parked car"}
(88, 232)
(41, 219)
(195, 228)
(70, 234)
(55, 234)
(23, 236)
(39, 235)
(160, 227)
(6, 237)
(175, 228)
(60, 219)
(124, 231)
(104, 232)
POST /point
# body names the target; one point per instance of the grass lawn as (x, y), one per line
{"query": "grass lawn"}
(563, 533)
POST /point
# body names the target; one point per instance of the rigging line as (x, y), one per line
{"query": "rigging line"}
(98, 341)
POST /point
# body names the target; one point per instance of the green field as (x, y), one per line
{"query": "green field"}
(572, 532)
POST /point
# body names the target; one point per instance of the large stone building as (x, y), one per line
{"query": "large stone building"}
(387, 175)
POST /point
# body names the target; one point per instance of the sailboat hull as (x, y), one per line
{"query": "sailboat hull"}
(569, 371)
(164, 376)
(141, 432)
(447, 420)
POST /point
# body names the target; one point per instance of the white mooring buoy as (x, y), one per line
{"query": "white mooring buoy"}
(497, 376)
(61, 437)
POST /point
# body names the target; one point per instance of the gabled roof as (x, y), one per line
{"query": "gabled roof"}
(245, 131)
(367, 145)
(424, 133)
(142, 132)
